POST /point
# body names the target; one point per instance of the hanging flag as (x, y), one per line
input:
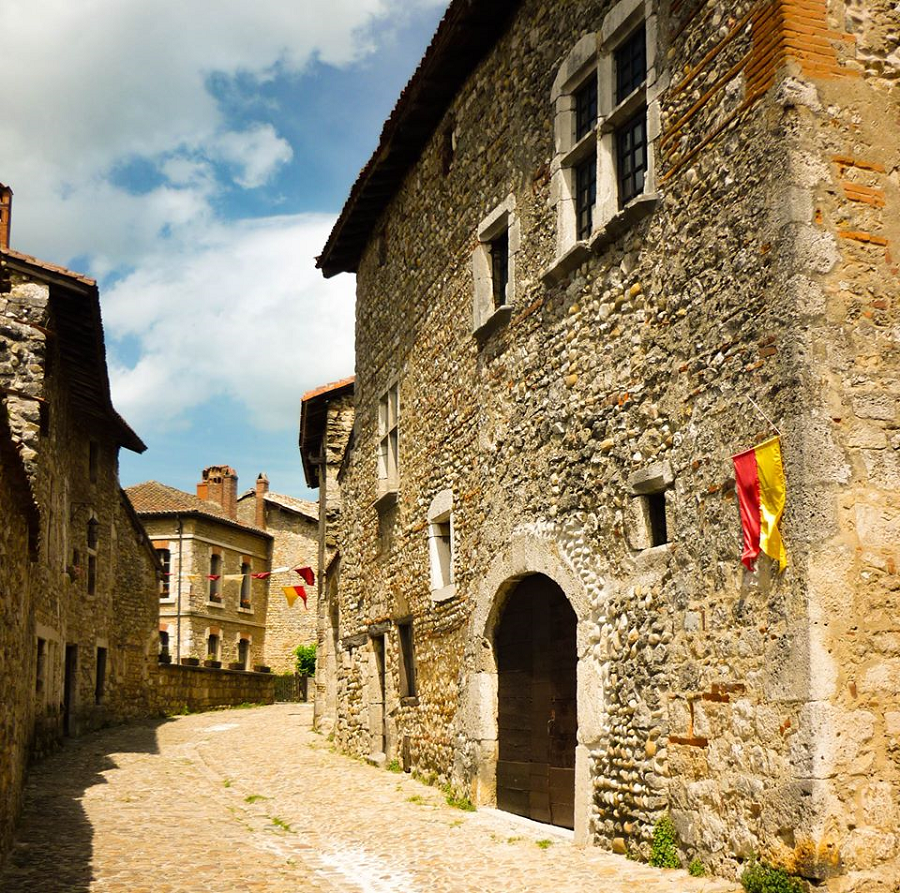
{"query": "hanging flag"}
(280, 570)
(193, 576)
(213, 576)
(233, 577)
(291, 593)
(262, 575)
(761, 488)
(307, 573)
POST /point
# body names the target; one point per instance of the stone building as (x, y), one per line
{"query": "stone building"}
(79, 590)
(601, 244)
(326, 425)
(212, 604)
(293, 524)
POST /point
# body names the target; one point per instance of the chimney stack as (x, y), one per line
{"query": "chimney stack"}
(6, 195)
(219, 485)
(262, 487)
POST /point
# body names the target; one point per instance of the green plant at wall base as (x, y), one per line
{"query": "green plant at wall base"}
(664, 847)
(306, 659)
(394, 766)
(458, 802)
(696, 869)
(758, 877)
(544, 844)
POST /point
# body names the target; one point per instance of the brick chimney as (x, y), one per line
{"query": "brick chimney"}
(219, 485)
(262, 487)
(6, 195)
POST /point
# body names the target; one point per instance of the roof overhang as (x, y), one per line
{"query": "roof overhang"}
(313, 418)
(467, 31)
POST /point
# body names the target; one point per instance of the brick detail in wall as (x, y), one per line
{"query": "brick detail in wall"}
(781, 31)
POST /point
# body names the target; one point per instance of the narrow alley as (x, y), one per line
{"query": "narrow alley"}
(253, 800)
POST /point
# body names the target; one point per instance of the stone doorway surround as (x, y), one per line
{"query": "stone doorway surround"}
(526, 554)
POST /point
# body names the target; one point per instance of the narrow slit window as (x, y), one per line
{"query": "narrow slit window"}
(407, 660)
(586, 107)
(585, 195)
(212, 647)
(165, 559)
(100, 681)
(500, 267)
(41, 665)
(246, 583)
(656, 518)
(215, 574)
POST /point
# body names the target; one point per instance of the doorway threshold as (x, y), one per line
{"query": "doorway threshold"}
(540, 829)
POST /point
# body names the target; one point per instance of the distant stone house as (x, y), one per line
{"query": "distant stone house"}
(599, 247)
(293, 524)
(79, 590)
(326, 426)
(213, 600)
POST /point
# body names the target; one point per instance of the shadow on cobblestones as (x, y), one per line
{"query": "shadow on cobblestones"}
(53, 847)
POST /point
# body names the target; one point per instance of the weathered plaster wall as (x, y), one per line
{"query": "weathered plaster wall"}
(704, 690)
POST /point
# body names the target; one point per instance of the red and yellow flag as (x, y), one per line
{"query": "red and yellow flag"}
(291, 593)
(761, 488)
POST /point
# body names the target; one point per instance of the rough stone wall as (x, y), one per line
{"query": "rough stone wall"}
(56, 440)
(17, 655)
(198, 613)
(295, 544)
(704, 690)
(176, 688)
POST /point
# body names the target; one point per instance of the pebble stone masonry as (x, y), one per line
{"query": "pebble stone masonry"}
(759, 268)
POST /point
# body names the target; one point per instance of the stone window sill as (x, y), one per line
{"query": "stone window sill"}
(243, 610)
(499, 318)
(444, 593)
(214, 605)
(636, 210)
(168, 600)
(385, 500)
(411, 701)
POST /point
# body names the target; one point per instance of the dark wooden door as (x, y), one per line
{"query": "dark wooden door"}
(70, 681)
(537, 715)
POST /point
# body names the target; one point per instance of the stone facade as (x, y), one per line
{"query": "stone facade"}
(326, 425)
(755, 280)
(80, 604)
(222, 619)
(293, 524)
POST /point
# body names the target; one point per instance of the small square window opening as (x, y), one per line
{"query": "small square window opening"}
(656, 518)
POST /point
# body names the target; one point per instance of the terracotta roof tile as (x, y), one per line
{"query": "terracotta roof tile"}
(50, 268)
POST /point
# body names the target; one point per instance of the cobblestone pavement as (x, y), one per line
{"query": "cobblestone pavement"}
(252, 800)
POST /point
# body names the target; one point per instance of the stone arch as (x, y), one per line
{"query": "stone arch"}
(527, 554)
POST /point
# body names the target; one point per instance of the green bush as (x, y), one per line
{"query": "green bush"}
(696, 869)
(761, 878)
(664, 847)
(306, 659)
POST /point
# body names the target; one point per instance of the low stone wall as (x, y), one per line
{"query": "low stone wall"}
(175, 687)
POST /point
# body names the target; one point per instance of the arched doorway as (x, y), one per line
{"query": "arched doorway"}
(537, 720)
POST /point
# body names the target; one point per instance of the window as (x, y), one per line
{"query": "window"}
(215, 577)
(407, 660)
(649, 516)
(494, 265)
(100, 678)
(165, 559)
(41, 670)
(213, 644)
(244, 653)
(440, 545)
(606, 120)
(388, 441)
(246, 583)
(93, 541)
(655, 506)
(163, 641)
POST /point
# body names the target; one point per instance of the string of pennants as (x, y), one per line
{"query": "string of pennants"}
(291, 593)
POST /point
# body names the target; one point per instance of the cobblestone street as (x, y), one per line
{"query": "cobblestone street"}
(253, 800)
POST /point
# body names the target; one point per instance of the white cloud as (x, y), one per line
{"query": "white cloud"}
(93, 85)
(242, 313)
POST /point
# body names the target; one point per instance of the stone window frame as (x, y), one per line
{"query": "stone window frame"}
(593, 56)
(214, 588)
(210, 632)
(93, 548)
(487, 313)
(239, 638)
(387, 454)
(246, 587)
(652, 482)
(442, 546)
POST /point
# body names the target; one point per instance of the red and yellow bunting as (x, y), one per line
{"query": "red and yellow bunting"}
(761, 487)
(291, 593)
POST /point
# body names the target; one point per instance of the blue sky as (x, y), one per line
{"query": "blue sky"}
(193, 157)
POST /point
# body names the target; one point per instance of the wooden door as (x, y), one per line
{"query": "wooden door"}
(537, 715)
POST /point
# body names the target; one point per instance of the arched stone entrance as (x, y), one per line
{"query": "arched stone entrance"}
(537, 723)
